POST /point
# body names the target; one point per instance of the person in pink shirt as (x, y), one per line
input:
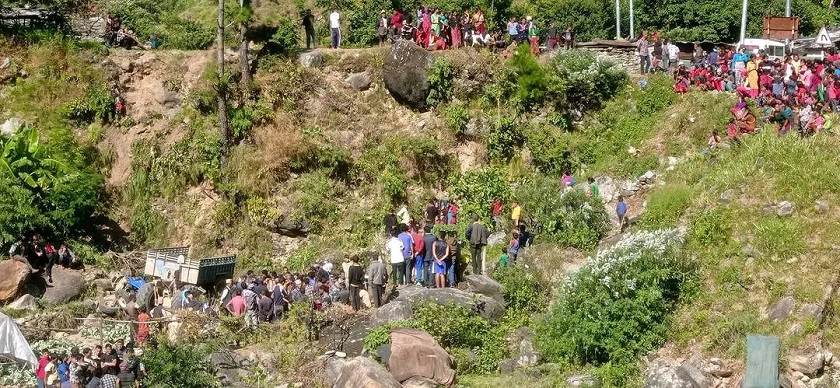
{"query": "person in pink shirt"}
(41, 375)
(236, 305)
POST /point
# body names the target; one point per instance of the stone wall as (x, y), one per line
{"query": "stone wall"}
(626, 57)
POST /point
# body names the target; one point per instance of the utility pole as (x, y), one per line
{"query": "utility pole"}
(787, 8)
(221, 88)
(632, 22)
(618, 19)
(244, 64)
(743, 23)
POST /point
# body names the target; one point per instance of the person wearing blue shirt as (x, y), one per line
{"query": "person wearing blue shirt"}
(621, 212)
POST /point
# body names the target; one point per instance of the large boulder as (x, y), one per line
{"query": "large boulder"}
(484, 285)
(684, 375)
(415, 353)
(67, 284)
(359, 81)
(312, 58)
(484, 305)
(14, 275)
(230, 367)
(394, 311)
(363, 372)
(406, 73)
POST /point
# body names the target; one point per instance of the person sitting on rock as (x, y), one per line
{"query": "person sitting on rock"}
(18, 253)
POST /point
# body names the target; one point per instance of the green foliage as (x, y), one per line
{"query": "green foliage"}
(570, 219)
(243, 118)
(588, 80)
(550, 154)
(457, 118)
(618, 306)
(316, 201)
(286, 36)
(505, 137)
(303, 258)
(168, 20)
(39, 192)
(178, 365)
(98, 104)
(779, 237)
(440, 82)
(711, 228)
(477, 189)
(656, 96)
(533, 83)
(358, 19)
(525, 289)
(590, 19)
(665, 206)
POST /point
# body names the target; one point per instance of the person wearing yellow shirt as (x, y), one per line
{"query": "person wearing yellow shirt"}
(516, 213)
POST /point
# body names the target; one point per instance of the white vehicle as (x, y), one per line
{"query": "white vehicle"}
(773, 48)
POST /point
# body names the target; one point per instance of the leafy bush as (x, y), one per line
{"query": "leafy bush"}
(711, 228)
(570, 219)
(98, 104)
(525, 290)
(534, 84)
(588, 79)
(619, 305)
(40, 192)
(665, 206)
(440, 82)
(457, 118)
(549, 153)
(316, 200)
(163, 18)
(178, 365)
(504, 138)
(477, 189)
(286, 36)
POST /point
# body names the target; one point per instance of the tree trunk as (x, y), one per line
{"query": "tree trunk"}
(221, 90)
(243, 56)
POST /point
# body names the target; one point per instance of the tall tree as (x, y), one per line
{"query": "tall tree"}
(221, 88)
(245, 15)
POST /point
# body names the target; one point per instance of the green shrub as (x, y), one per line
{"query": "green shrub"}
(588, 80)
(42, 191)
(570, 219)
(711, 228)
(164, 19)
(457, 118)
(665, 206)
(477, 189)
(549, 153)
(618, 306)
(316, 200)
(525, 290)
(98, 104)
(286, 36)
(178, 365)
(779, 237)
(533, 84)
(656, 96)
(440, 82)
(504, 138)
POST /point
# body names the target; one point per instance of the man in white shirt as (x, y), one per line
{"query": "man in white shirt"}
(394, 247)
(673, 55)
(335, 28)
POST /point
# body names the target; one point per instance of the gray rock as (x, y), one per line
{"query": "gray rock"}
(690, 373)
(10, 126)
(359, 81)
(812, 310)
(312, 58)
(406, 73)
(391, 312)
(332, 369)
(667, 378)
(821, 206)
(727, 196)
(484, 285)
(25, 302)
(5, 63)
(582, 381)
(782, 309)
(103, 285)
(384, 353)
(484, 305)
(230, 368)
(496, 238)
(419, 382)
(67, 284)
(528, 360)
(363, 372)
(785, 208)
(811, 366)
(507, 366)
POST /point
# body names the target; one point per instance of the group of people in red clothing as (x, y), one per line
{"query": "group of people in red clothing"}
(790, 92)
(435, 29)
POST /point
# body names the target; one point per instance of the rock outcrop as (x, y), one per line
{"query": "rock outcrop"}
(363, 372)
(415, 353)
(14, 275)
(484, 305)
(406, 73)
(390, 312)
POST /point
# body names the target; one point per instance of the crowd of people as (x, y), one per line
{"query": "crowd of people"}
(109, 367)
(436, 29)
(791, 93)
(42, 256)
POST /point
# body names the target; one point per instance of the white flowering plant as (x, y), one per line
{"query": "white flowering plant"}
(619, 304)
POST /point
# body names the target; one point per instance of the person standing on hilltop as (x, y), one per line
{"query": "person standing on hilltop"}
(309, 28)
(394, 247)
(382, 28)
(479, 22)
(496, 211)
(644, 54)
(402, 215)
(335, 28)
(378, 276)
(534, 37)
(477, 235)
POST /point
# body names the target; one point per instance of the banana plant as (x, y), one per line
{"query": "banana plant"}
(24, 158)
